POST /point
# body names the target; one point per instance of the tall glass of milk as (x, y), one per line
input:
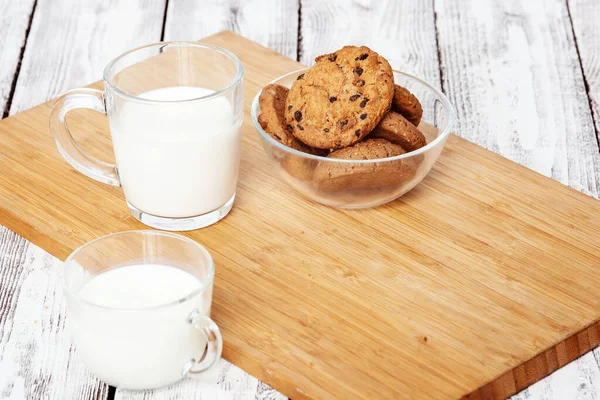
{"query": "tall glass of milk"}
(139, 308)
(175, 111)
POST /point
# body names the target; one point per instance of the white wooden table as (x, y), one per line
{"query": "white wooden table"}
(524, 77)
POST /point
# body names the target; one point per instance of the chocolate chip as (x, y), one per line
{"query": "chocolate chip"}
(277, 137)
(358, 71)
(363, 56)
(360, 83)
(298, 116)
(357, 132)
(300, 77)
(364, 103)
(289, 107)
(300, 127)
(326, 130)
(363, 116)
(289, 128)
(343, 123)
(332, 99)
(332, 57)
(354, 97)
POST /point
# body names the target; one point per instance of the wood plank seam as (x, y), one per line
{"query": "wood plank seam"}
(13, 86)
(437, 45)
(164, 21)
(583, 74)
(299, 42)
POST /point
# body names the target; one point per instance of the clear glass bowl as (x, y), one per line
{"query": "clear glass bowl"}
(363, 183)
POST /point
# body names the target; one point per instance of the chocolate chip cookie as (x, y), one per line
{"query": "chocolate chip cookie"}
(340, 99)
(405, 103)
(330, 176)
(397, 129)
(272, 105)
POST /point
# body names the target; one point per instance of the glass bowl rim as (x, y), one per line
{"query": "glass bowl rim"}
(442, 136)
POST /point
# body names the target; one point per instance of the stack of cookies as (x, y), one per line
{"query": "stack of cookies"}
(345, 107)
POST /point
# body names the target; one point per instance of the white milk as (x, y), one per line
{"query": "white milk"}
(177, 159)
(148, 344)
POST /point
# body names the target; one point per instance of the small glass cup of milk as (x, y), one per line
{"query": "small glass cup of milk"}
(139, 308)
(175, 111)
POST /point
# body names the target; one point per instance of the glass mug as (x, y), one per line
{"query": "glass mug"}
(175, 111)
(139, 308)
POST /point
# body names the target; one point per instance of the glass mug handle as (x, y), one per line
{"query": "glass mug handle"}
(68, 147)
(214, 343)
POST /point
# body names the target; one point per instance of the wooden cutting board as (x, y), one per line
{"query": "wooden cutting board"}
(483, 279)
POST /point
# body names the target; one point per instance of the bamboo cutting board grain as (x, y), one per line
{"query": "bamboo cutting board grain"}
(447, 292)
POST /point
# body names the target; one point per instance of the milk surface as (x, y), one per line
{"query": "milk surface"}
(147, 343)
(176, 159)
(139, 286)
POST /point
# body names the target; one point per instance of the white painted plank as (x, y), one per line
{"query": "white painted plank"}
(14, 19)
(596, 354)
(585, 15)
(401, 31)
(511, 70)
(223, 382)
(272, 23)
(71, 42)
(577, 380)
(37, 360)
